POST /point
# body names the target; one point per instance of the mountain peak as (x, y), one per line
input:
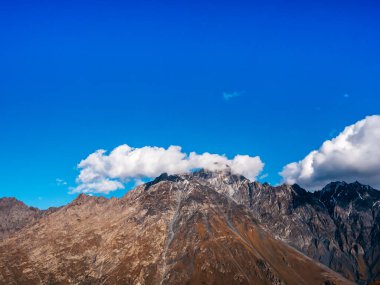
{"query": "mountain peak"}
(163, 177)
(83, 198)
(11, 201)
(222, 174)
(339, 188)
(14, 215)
(343, 193)
(205, 173)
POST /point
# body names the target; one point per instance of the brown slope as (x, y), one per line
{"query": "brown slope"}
(175, 232)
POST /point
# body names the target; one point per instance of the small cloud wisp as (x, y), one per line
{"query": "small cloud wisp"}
(229, 95)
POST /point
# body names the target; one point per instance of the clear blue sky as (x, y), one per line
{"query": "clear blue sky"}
(82, 75)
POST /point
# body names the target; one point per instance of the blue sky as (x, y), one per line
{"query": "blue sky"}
(83, 75)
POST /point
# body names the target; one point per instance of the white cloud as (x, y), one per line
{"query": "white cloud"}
(229, 95)
(102, 173)
(265, 175)
(60, 182)
(102, 185)
(353, 155)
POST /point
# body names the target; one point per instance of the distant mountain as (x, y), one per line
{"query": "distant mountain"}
(14, 215)
(198, 228)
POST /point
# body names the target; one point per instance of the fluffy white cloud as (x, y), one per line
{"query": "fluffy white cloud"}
(353, 155)
(102, 173)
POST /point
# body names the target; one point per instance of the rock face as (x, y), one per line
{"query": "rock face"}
(187, 229)
(14, 215)
(355, 209)
(339, 226)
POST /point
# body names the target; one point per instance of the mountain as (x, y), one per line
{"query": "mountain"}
(355, 209)
(337, 226)
(197, 228)
(15, 215)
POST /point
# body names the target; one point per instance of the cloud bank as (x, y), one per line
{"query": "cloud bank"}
(102, 173)
(353, 155)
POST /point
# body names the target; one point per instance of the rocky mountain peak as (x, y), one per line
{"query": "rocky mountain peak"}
(163, 177)
(343, 194)
(11, 202)
(224, 181)
(14, 215)
(209, 174)
(83, 198)
(80, 199)
(233, 186)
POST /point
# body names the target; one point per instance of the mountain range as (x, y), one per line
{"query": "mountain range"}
(202, 227)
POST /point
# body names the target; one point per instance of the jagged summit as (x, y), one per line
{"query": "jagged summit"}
(338, 187)
(201, 173)
(206, 174)
(342, 194)
(163, 177)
